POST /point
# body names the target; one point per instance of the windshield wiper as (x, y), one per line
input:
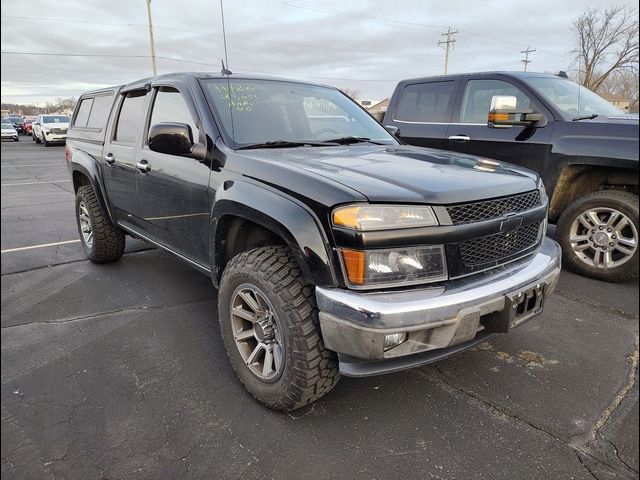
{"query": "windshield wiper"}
(586, 117)
(351, 140)
(285, 144)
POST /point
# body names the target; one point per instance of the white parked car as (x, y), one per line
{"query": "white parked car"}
(8, 131)
(49, 129)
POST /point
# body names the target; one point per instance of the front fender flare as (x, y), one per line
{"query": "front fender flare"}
(287, 217)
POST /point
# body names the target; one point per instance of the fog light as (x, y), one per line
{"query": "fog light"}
(393, 340)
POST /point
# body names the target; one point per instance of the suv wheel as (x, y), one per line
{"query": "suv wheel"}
(269, 325)
(599, 235)
(36, 138)
(102, 241)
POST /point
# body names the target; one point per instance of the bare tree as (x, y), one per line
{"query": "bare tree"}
(607, 42)
(351, 92)
(624, 84)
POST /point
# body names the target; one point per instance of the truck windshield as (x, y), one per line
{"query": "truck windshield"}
(257, 112)
(573, 100)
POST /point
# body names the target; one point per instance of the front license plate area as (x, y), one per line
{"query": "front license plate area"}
(523, 305)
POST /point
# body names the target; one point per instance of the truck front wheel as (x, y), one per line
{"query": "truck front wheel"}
(269, 325)
(599, 235)
(102, 241)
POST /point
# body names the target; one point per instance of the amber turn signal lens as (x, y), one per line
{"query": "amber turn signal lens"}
(498, 117)
(346, 217)
(354, 264)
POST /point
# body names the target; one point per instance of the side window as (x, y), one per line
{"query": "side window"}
(100, 111)
(426, 102)
(170, 106)
(83, 113)
(130, 117)
(477, 99)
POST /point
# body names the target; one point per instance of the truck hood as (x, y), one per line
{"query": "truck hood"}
(55, 125)
(393, 174)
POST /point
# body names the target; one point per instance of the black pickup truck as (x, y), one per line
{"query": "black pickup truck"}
(334, 249)
(585, 149)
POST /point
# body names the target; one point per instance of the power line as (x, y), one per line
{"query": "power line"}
(526, 60)
(448, 46)
(193, 62)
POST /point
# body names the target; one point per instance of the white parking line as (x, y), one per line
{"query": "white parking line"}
(31, 247)
(34, 165)
(32, 183)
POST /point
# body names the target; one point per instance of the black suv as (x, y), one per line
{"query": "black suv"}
(585, 149)
(334, 248)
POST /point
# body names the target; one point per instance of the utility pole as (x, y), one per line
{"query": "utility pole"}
(526, 60)
(448, 46)
(153, 47)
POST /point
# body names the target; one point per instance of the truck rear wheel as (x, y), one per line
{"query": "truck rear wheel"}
(102, 241)
(269, 325)
(599, 235)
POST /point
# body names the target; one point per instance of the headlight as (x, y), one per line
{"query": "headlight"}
(398, 266)
(383, 217)
(46, 130)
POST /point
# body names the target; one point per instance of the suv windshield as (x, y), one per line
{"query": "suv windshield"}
(573, 100)
(7, 124)
(17, 120)
(55, 119)
(255, 112)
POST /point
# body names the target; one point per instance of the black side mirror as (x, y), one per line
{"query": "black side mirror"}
(395, 131)
(174, 139)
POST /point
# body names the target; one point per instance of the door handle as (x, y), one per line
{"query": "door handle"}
(109, 158)
(460, 138)
(143, 166)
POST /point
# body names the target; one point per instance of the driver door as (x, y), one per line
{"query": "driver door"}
(469, 133)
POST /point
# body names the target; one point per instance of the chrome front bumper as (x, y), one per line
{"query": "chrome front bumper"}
(450, 317)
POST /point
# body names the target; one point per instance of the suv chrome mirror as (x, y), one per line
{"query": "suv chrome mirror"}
(504, 114)
(504, 102)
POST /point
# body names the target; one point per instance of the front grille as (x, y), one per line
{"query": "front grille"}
(58, 130)
(498, 246)
(495, 208)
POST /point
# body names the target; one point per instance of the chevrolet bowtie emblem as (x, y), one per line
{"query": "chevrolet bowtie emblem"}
(510, 222)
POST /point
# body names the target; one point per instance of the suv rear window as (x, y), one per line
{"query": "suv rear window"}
(100, 111)
(93, 112)
(83, 113)
(426, 102)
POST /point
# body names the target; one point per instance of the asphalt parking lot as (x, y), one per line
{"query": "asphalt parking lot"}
(118, 371)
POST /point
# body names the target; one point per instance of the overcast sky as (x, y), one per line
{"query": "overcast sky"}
(363, 45)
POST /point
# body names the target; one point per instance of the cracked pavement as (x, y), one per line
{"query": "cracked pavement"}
(118, 371)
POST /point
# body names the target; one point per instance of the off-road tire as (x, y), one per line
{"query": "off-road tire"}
(36, 139)
(108, 240)
(310, 370)
(624, 202)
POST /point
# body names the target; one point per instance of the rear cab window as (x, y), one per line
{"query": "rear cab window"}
(426, 102)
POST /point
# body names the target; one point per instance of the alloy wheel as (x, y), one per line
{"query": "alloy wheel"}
(603, 237)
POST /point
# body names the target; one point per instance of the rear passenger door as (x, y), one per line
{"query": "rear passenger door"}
(423, 112)
(120, 156)
(469, 133)
(173, 190)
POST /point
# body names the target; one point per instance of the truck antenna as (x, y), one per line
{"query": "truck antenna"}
(225, 70)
